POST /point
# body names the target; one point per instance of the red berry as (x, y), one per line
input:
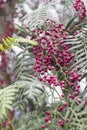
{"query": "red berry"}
(43, 126)
(67, 120)
(60, 108)
(61, 123)
(47, 119)
(48, 113)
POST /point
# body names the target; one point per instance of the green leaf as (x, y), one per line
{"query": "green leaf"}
(10, 42)
(7, 95)
(70, 23)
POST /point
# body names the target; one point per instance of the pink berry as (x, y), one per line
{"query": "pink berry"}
(61, 123)
(43, 126)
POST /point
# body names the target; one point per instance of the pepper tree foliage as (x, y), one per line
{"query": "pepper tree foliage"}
(58, 61)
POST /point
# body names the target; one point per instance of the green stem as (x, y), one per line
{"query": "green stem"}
(57, 92)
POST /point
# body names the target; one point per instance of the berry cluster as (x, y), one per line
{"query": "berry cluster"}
(50, 54)
(48, 119)
(54, 117)
(62, 107)
(80, 8)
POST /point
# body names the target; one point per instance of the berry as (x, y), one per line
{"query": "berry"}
(60, 108)
(67, 120)
(61, 123)
(43, 126)
(47, 119)
(80, 8)
(48, 113)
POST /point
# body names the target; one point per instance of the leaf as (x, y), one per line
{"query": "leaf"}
(17, 40)
(7, 95)
(78, 45)
(10, 42)
(70, 23)
(1, 47)
(40, 15)
(29, 89)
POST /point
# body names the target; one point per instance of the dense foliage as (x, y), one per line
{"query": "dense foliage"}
(53, 58)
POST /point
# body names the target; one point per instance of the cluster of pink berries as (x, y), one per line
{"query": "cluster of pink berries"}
(50, 117)
(80, 8)
(47, 119)
(62, 107)
(72, 82)
(50, 54)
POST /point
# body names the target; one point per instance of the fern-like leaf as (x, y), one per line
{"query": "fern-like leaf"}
(7, 96)
(79, 47)
(30, 92)
(30, 88)
(38, 16)
(9, 42)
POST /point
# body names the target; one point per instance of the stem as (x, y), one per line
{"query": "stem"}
(57, 92)
(74, 114)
